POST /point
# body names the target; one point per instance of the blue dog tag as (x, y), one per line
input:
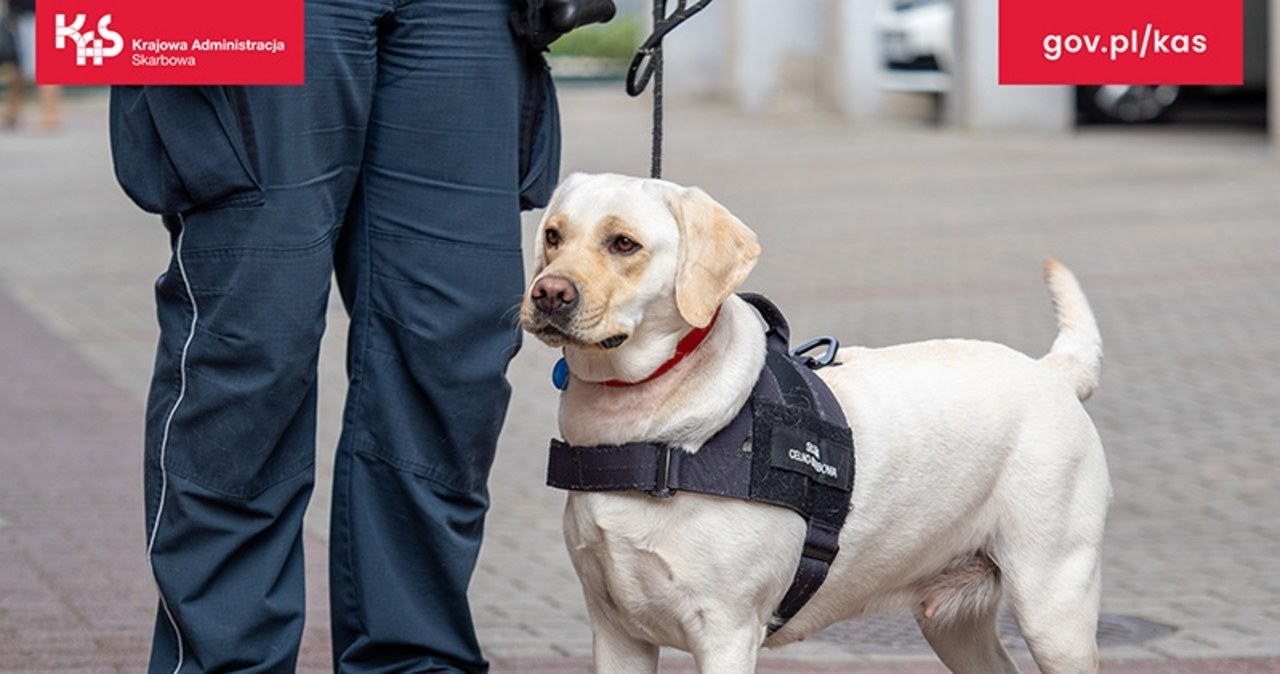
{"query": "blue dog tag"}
(560, 374)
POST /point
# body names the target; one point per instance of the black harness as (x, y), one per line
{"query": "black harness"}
(788, 446)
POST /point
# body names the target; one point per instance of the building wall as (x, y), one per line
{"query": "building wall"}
(754, 53)
(979, 101)
(697, 54)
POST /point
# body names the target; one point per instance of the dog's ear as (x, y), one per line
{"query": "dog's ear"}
(717, 251)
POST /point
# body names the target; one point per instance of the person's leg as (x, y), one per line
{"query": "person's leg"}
(431, 270)
(231, 416)
(230, 441)
(24, 36)
(13, 99)
(49, 96)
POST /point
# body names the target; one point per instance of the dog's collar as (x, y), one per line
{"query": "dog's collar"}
(686, 346)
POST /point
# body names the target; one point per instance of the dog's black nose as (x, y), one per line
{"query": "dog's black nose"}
(552, 294)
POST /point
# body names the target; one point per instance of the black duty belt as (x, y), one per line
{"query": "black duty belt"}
(788, 446)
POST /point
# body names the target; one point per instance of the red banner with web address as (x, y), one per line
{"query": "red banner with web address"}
(169, 42)
(1121, 42)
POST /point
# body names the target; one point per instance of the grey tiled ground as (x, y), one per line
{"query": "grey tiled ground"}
(879, 235)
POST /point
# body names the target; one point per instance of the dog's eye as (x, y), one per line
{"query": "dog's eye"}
(623, 245)
(552, 237)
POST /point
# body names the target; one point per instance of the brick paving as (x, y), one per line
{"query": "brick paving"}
(877, 234)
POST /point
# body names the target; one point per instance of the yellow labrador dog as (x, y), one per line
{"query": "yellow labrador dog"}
(979, 474)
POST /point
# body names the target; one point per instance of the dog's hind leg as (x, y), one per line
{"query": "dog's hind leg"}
(1056, 604)
(956, 610)
(1050, 556)
(967, 642)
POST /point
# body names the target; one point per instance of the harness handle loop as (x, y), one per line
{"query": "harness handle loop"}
(827, 358)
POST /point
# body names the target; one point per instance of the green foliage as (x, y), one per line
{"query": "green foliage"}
(617, 39)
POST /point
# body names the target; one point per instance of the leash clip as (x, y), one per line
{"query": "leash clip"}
(832, 344)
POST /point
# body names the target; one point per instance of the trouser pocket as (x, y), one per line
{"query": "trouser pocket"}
(177, 149)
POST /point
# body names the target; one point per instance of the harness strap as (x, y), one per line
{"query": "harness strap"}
(721, 468)
(820, 547)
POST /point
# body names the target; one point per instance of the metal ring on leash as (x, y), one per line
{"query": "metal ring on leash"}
(646, 65)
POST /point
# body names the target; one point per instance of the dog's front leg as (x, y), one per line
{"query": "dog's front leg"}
(732, 651)
(613, 650)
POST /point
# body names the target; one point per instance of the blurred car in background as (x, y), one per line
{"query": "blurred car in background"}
(919, 55)
(916, 40)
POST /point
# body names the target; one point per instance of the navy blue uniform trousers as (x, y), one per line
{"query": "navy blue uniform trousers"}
(401, 167)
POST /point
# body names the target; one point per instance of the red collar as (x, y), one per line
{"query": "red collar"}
(684, 348)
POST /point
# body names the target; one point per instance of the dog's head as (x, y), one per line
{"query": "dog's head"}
(615, 255)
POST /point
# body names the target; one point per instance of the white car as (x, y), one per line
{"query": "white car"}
(915, 38)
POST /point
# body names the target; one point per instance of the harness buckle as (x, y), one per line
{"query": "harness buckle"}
(822, 553)
(662, 483)
(821, 544)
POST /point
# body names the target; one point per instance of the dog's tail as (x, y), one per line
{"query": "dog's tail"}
(1077, 352)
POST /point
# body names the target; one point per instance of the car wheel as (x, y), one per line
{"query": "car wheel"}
(1127, 103)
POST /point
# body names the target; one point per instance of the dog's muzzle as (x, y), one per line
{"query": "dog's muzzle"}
(555, 299)
(554, 295)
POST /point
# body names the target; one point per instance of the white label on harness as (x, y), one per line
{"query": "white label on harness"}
(812, 457)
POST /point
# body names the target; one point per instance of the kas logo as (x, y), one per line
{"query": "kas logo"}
(88, 45)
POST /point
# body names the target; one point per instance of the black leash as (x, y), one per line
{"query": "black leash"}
(647, 65)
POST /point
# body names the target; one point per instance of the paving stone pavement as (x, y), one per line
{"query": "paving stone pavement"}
(878, 234)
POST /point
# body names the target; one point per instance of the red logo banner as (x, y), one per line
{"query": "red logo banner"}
(169, 42)
(1121, 42)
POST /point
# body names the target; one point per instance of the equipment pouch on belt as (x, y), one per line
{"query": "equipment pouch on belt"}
(539, 135)
(538, 23)
(181, 148)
